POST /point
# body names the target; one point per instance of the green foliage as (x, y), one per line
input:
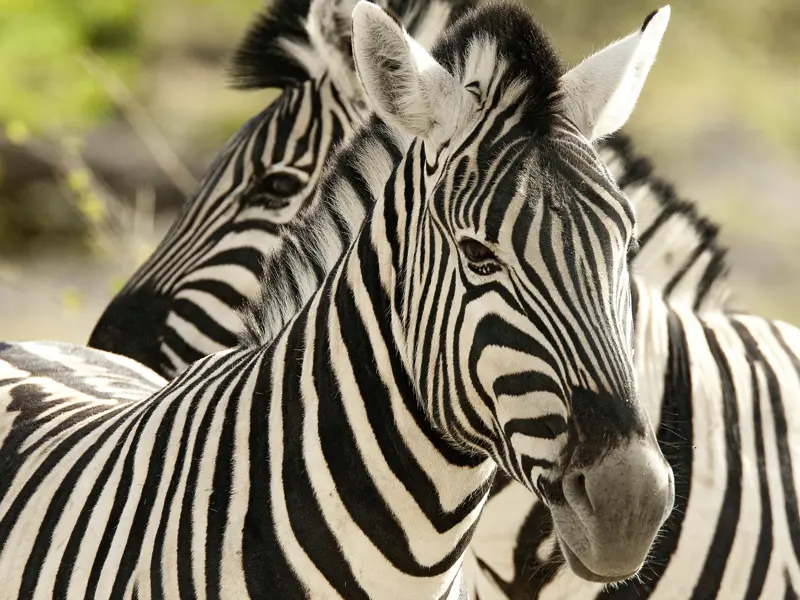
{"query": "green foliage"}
(43, 81)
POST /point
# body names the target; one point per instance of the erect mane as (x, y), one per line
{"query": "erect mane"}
(263, 58)
(510, 36)
(278, 49)
(312, 242)
(680, 254)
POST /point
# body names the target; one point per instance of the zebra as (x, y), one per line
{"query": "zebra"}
(492, 184)
(696, 357)
(522, 583)
(183, 302)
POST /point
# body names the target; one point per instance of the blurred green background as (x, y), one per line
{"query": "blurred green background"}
(110, 110)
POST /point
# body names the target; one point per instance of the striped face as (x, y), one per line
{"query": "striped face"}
(181, 304)
(520, 267)
(509, 241)
(518, 316)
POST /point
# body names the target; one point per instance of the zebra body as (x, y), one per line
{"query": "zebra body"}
(196, 492)
(337, 461)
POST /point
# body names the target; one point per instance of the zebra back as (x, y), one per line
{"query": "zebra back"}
(679, 254)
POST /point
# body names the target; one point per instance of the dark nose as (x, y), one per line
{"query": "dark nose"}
(134, 325)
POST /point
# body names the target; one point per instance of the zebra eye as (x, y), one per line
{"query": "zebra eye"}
(474, 88)
(481, 260)
(274, 191)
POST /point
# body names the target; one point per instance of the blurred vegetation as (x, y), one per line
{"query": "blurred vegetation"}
(112, 108)
(44, 82)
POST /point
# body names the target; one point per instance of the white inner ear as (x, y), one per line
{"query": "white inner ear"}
(601, 92)
(404, 83)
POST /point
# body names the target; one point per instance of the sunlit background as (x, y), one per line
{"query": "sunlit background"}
(111, 110)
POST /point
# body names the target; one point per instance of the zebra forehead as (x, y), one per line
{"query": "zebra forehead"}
(501, 46)
(547, 170)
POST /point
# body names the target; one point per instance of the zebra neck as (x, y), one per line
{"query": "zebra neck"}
(661, 346)
(353, 441)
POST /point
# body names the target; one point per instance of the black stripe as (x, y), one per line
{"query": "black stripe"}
(309, 526)
(219, 500)
(267, 571)
(710, 579)
(784, 452)
(186, 588)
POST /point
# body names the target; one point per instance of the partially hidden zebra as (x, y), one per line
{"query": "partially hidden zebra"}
(182, 303)
(480, 316)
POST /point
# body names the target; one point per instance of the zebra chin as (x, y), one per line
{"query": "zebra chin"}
(607, 513)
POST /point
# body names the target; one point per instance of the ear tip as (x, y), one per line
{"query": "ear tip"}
(364, 8)
(659, 18)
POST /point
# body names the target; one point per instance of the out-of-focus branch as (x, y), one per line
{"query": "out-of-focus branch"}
(121, 232)
(141, 122)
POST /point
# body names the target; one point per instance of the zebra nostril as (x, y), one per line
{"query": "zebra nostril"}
(576, 493)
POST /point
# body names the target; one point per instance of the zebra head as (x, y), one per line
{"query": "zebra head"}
(511, 290)
(182, 303)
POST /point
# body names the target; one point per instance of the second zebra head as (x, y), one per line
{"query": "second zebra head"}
(182, 303)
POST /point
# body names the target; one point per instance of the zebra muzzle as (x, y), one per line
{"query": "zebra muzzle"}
(613, 510)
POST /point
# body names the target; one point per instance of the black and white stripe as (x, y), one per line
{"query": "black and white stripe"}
(336, 462)
(724, 395)
(182, 303)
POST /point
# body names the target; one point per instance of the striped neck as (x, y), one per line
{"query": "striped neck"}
(347, 426)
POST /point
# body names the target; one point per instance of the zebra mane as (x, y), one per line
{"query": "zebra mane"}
(356, 173)
(311, 244)
(296, 40)
(680, 254)
(262, 59)
(520, 45)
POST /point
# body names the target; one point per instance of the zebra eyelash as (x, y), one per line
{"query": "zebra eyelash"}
(484, 269)
(480, 259)
(474, 88)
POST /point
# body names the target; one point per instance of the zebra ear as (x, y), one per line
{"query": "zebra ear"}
(404, 83)
(329, 22)
(600, 93)
(328, 26)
